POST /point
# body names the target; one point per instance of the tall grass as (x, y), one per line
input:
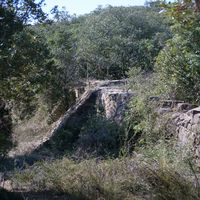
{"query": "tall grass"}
(158, 176)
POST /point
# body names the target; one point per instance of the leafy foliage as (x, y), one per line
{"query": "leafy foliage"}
(61, 42)
(25, 62)
(106, 43)
(178, 63)
(28, 66)
(23, 54)
(113, 40)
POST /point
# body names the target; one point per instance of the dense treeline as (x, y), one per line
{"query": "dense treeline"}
(113, 40)
(101, 45)
(41, 58)
(107, 42)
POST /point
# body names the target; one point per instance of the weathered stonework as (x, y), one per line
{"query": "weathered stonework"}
(108, 97)
(184, 123)
(188, 130)
(113, 102)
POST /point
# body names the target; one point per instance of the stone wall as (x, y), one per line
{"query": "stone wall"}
(188, 130)
(184, 123)
(114, 102)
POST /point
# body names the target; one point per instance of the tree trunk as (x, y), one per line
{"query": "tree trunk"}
(197, 5)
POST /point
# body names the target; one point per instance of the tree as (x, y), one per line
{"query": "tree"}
(24, 56)
(60, 36)
(178, 63)
(197, 2)
(14, 16)
(25, 61)
(113, 40)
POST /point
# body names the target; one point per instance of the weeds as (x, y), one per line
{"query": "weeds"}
(150, 166)
(156, 176)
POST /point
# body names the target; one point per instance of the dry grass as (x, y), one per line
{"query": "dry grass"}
(137, 178)
(29, 133)
(158, 171)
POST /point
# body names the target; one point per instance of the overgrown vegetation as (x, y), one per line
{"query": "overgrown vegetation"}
(42, 60)
(38, 59)
(114, 40)
(178, 63)
(157, 174)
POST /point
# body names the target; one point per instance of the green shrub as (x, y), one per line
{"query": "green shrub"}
(141, 118)
(178, 63)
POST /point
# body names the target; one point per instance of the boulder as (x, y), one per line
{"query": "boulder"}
(196, 119)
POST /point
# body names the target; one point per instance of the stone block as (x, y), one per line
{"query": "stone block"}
(193, 111)
(196, 119)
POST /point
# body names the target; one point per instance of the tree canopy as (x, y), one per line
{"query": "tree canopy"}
(178, 62)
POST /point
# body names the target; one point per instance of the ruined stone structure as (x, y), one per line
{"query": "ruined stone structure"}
(188, 130)
(108, 98)
(184, 121)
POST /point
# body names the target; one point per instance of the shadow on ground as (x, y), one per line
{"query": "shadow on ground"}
(45, 195)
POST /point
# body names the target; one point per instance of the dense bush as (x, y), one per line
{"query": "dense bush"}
(178, 63)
